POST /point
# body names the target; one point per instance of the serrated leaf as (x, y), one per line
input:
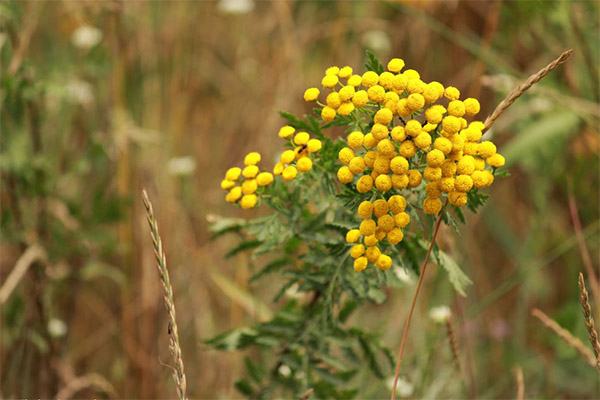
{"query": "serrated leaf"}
(373, 63)
(244, 245)
(234, 339)
(458, 278)
(224, 225)
(270, 268)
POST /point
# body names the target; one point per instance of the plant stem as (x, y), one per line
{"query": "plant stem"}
(414, 301)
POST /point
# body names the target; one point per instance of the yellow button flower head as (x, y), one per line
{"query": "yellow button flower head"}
(402, 219)
(289, 173)
(398, 133)
(346, 108)
(333, 100)
(479, 179)
(395, 65)
(433, 189)
(376, 93)
(345, 155)
(479, 164)
(332, 70)
(355, 140)
(370, 156)
(383, 182)
(347, 92)
(451, 124)
(432, 174)
(311, 94)
(395, 236)
(234, 195)
(472, 107)
(414, 178)
(313, 145)
(384, 262)
(380, 207)
(399, 181)
(415, 101)
(446, 184)
(288, 156)
(250, 171)
(386, 222)
(328, 114)
(457, 199)
(345, 72)
(456, 108)
(370, 79)
(371, 240)
(329, 81)
(423, 140)
(227, 184)
(399, 165)
(383, 116)
(264, 178)
(495, 161)
(416, 86)
(386, 148)
(249, 186)
(413, 128)
(248, 201)
(407, 149)
(233, 174)
(345, 175)
(252, 158)
(452, 93)
(396, 204)
(448, 168)
(367, 227)
(286, 131)
(360, 99)
(301, 138)
(400, 82)
(353, 236)
(357, 165)
(357, 250)
(304, 164)
(486, 149)
(365, 209)
(466, 165)
(379, 131)
(432, 205)
(463, 183)
(360, 264)
(435, 157)
(373, 253)
(364, 184)
(355, 80)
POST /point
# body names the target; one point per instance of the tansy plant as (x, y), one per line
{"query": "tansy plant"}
(413, 151)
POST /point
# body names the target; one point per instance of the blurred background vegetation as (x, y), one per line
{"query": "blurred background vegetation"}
(100, 99)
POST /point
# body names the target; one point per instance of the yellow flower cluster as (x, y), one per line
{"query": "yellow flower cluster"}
(242, 184)
(411, 139)
(381, 220)
(292, 161)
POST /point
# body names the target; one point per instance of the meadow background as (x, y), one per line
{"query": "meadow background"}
(102, 98)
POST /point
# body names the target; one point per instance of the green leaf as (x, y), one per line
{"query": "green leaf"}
(234, 339)
(244, 245)
(225, 225)
(244, 387)
(271, 267)
(373, 63)
(457, 277)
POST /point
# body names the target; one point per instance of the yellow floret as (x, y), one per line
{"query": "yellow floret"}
(479, 179)
(413, 128)
(386, 147)
(416, 86)
(395, 236)
(380, 131)
(396, 204)
(252, 158)
(433, 189)
(278, 168)
(384, 262)
(383, 182)
(470, 149)
(403, 108)
(395, 65)
(370, 156)
(264, 178)
(376, 93)
(250, 171)
(446, 184)
(456, 108)
(399, 181)
(328, 114)
(355, 80)
(333, 100)
(288, 156)
(367, 227)
(329, 81)
(346, 108)
(355, 140)
(399, 82)
(402, 219)
(386, 222)
(399, 165)
(332, 70)
(369, 79)
(407, 149)
(357, 165)
(496, 161)
(304, 164)
(398, 134)
(371, 240)
(313, 145)
(373, 253)
(457, 199)
(385, 80)
(451, 124)
(472, 106)
(380, 207)
(365, 209)
(347, 92)
(432, 205)
(311, 94)
(301, 138)
(227, 184)
(286, 131)
(414, 178)
(248, 201)
(345, 72)
(289, 173)
(364, 184)
(435, 157)
(411, 74)
(432, 174)
(415, 101)
(463, 183)
(233, 174)
(353, 236)
(423, 140)
(370, 141)
(249, 186)
(448, 168)
(381, 164)
(466, 165)
(234, 194)
(346, 154)
(486, 149)
(360, 264)
(472, 133)
(357, 250)
(345, 175)
(360, 99)
(479, 164)
(452, 93)
(383, 116)
(433, 115)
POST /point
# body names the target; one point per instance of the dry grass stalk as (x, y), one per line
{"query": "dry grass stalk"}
(31, 255)
(307, 395)
(565, 335)
(520, 384)
(161, 262)
(522, 88)
(453, 343)
(589, 321)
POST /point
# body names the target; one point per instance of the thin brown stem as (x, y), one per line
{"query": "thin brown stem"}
(589, 320)
(414, 302)
(522, 88)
